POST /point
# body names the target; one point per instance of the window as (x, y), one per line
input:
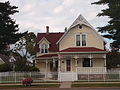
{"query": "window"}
(77, 40)
(44, 48)
(81, 40)
(80, 26)
(86, 62)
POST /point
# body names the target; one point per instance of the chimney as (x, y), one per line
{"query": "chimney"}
(65, 29)
(47, 29)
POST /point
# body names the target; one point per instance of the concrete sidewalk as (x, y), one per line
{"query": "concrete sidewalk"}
(65, 85)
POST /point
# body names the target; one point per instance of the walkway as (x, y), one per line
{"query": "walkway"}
(65, 85)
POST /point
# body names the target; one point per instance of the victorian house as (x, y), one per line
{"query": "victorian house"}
(80, 49)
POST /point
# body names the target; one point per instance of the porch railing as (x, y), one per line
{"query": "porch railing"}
(91, 70)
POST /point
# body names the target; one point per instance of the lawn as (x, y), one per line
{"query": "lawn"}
(32, 86)
(97, 85)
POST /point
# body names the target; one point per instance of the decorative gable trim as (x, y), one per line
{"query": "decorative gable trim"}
(42, 40)
(80, 21)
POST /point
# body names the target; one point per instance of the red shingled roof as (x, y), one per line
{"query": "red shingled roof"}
(48, 55)
(52, 38)
(82, 49)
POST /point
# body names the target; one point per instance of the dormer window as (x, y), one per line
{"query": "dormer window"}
(81, 40)
(44, 48)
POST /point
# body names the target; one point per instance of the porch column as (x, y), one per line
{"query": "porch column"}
(90, 60)
(53, 63)
(59, 65)
(76, 64)
(104, 60)
(58, 62)
(46, 64)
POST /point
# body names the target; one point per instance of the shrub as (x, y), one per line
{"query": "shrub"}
(5, 67)
(27, 81)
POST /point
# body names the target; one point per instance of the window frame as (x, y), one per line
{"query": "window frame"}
(85, 65)
(80, 39)
(44, 49)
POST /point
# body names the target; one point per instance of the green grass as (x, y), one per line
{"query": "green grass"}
(98, 81)
(97, 85)
(32, 86)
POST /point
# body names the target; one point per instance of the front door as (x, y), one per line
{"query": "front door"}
(68, 65)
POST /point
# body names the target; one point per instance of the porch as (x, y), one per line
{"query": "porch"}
(69, 66)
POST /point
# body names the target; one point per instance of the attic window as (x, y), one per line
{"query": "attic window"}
(80, 26)
(81, 40)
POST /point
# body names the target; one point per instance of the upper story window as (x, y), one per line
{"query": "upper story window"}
(44, 48)
(81, 40)
(77, 40)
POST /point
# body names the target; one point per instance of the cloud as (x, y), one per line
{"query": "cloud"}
(34, 15)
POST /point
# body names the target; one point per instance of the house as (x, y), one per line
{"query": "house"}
(4, 59)
(80, 49)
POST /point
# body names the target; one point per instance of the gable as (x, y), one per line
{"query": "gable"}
(52, 38)
(80, 21)
(92, 38)
(43, 40)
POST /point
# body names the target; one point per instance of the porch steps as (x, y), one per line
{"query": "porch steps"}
(65, 84)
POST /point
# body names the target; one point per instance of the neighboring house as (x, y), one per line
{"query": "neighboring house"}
(4, 59)
(80, 49)
(11, 59)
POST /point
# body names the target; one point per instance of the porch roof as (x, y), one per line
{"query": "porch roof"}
(83, 49)
(48, 55)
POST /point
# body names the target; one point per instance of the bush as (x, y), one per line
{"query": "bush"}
(27, 81)
(5, 67)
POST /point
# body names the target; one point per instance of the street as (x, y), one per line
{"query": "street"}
(112, 88)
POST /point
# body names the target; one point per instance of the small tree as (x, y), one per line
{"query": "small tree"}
(26, 45)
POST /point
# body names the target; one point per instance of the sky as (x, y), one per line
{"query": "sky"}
(35, 15)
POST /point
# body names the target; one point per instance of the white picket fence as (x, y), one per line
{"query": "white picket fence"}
(15, 77)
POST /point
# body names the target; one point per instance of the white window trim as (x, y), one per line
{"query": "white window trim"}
(44, 48)
(81, 39)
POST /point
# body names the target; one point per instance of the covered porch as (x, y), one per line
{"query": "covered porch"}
(82, 63)
(70, 66)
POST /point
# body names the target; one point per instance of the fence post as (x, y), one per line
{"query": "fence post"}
(88, 76)
(0, 78)
(46, 76)
(30, 74)
(119, 75)
(15, 76)
(104, 76)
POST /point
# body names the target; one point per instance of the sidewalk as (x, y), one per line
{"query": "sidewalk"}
(65, 85)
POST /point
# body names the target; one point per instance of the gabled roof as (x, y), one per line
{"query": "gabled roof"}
(43, 39)
(80, 21)
(82, 49)
(52, 38)
(5, 58)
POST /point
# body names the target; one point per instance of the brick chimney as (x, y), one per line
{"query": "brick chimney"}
(65, 29)
(47, 29)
